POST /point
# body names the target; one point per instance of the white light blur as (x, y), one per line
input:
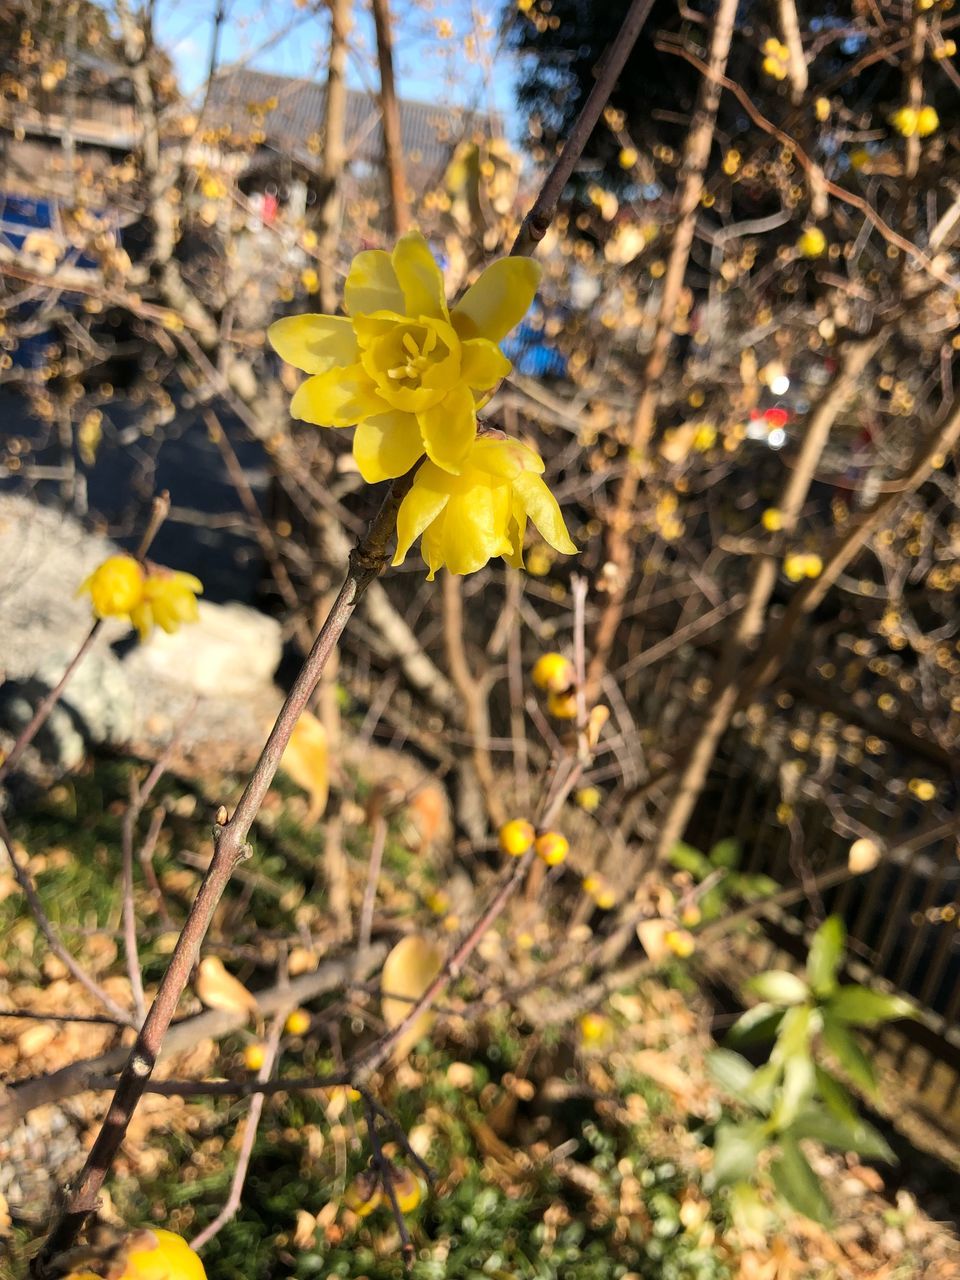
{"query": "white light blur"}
(780, 385)
(777, 438)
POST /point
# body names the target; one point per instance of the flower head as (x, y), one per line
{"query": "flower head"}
(115, 587)
(467, 519)
(169, 599)
(151, 1254)
(404, 368)
(811, 243)
(122, 588)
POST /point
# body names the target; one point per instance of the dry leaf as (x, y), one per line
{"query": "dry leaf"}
(653, 938)
(863, 856)
(306, 1229)
(407, 971)
(221, 990)
(306, 762)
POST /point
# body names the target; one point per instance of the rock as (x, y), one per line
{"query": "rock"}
(210, 685)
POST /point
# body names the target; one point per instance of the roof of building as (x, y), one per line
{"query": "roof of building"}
(429, 132)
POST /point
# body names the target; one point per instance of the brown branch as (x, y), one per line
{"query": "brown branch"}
(535, 224)
(335, 120)
(695, 159)
(390, 111)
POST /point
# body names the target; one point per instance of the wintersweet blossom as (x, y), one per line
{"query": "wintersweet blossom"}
(151, 1254)
(404, 368)
(122, 588)
(169, 599)
(467, 519)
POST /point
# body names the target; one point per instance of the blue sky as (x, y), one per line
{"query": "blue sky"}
(290, 38)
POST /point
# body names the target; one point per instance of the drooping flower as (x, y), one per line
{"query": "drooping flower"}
(404, 368)
(122, 588)
(467, 519)
(169, 599)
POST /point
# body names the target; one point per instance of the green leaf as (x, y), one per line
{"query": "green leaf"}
(735, 1151)
(842, 1135)
(861, 1007)
(836, 1098)
(758, 1025)
(826, 952)
(725, 853)
(778, 987)
(850, 1057)
(713, 902)
(731, 1073)
(796, 1182)
(748, 1211)
(756, 886)
(685, 858)
(761, 1088)
(799, 1083)
(793, 1038)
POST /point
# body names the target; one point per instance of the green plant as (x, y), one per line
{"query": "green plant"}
(720, 867)
(793, 1096)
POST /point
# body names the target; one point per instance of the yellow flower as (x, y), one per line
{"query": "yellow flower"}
(364, 1194)
(169, 599)
(553, 671)
(254, 1057)
(406, 1188)
(775, 67)
(595, 1029)
(628, 157)
(600, 890)
(811, 243)
(922, 788)
(552, 847)
(401, 366)
(822, 109)
(680, 942)
(562, 705)
(905, 121)
(516, 837)
(467, 519)
(151, 1254)
(927, 122)
(588, 798)
(297, 1022)
(799, 565)
(116, 587)
(772, 519)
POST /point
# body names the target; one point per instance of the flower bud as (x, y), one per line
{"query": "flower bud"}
(552, 848)
(554, 672)
(516, 837)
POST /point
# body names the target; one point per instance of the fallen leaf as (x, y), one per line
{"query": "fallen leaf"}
(407, 972)
(306, 762)
(219, 989)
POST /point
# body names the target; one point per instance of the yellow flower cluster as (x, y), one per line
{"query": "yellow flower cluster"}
(799, 565)
(776, 58)
(122, 588)
(921, 121)
(518, 836)
(410, 374)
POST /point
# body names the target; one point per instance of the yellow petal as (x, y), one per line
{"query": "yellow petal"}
(450, 428)
(542, 508)
(338, 398)
(219, 989)
(475, 526)
(387, 446)
(482, 364)
(314, 343)
(420, 278)
(372, 284)
(305, 760)
(498, 300)
(504, 458)
(425, 501)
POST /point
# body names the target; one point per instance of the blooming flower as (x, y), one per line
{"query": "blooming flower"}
(466, 519)
(151, 1254)
(169, 598)
(408, 371)
(115, 587)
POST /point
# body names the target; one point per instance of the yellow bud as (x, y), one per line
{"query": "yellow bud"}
(594, 1028)
(554, 672)
(115, 587)
(822, 109)
(927, 122)
(310, 280)
(691, 915)
(905, 121)
(406, 1188)
(297, 1023)
(680, 942)
(552, 847)
(588, 798)
(516, 837)
(812, 243)
(922, 788)
(772, 520)
(562, 705)
(364, 1194)
(775, 68)
(254, 1056)
(628, 157)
